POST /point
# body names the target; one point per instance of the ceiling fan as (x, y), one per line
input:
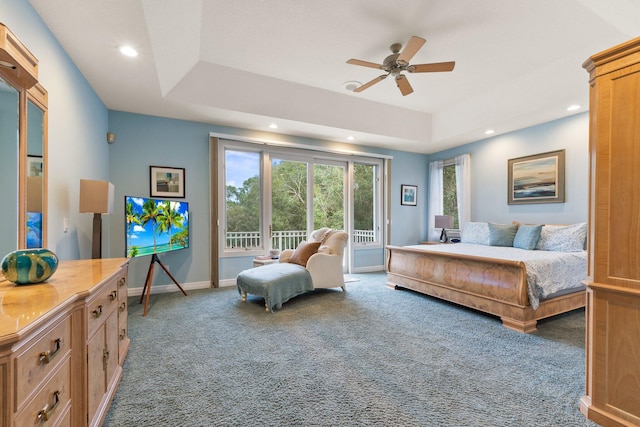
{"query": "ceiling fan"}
(398, 62)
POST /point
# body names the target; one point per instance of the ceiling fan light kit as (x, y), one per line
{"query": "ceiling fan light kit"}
(398, 62)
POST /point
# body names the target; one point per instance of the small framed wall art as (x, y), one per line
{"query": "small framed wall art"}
(536, 179)
(408, 195)
(166, 182)
(34, 165)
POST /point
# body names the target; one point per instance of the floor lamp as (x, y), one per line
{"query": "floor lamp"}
(444, 222)
(96, 197)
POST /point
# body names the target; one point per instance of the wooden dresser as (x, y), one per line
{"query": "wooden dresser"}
(613, 295)
(62, 344)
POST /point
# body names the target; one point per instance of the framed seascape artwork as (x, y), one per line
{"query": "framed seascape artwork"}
(408, 195)
(536, 179)
(166, 182)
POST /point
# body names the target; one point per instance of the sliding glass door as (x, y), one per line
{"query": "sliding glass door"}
(275, 197)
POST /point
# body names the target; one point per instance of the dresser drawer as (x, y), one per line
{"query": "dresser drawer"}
(52, 402)
(100, 307)
(40, 357)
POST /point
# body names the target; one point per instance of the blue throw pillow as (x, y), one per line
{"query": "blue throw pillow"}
(502, 234)
(527, 236)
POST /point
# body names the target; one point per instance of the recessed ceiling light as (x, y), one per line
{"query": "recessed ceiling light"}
(573, 107)
(489, 131)
(350, 138)
(128, 51)
(273, 126)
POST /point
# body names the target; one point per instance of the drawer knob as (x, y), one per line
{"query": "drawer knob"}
(123, 334)
(122, 282)
(45, 413)
(97, 312)
(123, 307)
(46, 356)
(113, 295)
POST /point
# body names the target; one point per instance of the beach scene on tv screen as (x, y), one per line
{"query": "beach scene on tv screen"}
(154, 226)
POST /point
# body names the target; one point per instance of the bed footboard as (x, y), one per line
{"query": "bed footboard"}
(497, 287)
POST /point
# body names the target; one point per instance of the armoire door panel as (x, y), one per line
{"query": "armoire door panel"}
(624, 158)
(617, 321)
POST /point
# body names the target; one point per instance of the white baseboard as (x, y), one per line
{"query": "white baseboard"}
(160, 289)
(369, 269)
(227, 282)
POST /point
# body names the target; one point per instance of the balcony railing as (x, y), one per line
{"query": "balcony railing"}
(284, 239)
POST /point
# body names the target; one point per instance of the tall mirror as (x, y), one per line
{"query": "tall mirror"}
(35, 224)
(9, 143)
(23, 147)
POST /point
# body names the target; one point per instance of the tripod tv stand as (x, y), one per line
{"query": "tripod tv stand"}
(147, 284)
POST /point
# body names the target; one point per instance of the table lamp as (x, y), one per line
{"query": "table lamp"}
(444, 222)
(96, 197)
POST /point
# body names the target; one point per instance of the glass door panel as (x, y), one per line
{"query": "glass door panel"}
(364, 204)
(288, 203)
(243, 205)
(328, 196)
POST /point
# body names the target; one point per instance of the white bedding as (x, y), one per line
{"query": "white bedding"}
(547, 272)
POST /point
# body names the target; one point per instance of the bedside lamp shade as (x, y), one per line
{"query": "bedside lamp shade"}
(96, 197)
(443, 222)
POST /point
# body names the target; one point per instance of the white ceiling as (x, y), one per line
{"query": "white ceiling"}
(247, 63)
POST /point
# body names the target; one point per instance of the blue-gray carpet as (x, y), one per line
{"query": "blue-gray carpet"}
(372, 356)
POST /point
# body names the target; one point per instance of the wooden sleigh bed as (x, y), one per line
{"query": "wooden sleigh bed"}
(494, 286)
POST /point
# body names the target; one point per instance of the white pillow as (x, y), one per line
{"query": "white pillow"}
(475, 232)
(563, 238)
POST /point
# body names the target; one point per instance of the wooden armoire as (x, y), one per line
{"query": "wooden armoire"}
(613, 295)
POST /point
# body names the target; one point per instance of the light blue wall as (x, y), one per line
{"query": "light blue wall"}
(489, 159)
(77, 129)
(408, 225)
(143, 141)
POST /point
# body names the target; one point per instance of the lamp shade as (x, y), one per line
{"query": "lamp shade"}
(34, 194)
(96, 196)
(443, 221)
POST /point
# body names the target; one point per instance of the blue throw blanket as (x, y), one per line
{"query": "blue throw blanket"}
(277, 283)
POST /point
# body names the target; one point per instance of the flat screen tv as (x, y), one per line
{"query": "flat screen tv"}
(154, 226)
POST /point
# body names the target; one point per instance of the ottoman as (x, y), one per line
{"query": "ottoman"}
(276, 283)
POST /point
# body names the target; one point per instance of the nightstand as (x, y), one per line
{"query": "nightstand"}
(260, 262)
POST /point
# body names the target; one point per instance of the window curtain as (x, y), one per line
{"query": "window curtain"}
(435, 197)
(463, 188)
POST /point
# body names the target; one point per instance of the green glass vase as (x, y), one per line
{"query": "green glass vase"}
(28, 266)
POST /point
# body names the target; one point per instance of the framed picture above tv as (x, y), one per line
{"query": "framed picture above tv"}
(536, 179)
(166, 182)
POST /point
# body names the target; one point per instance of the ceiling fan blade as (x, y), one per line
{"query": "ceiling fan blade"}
(365, 64)
(413, 45)
(370, 83)
(403, 84)
(432, 68)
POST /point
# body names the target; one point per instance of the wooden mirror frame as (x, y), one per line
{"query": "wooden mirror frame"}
(19, 68)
